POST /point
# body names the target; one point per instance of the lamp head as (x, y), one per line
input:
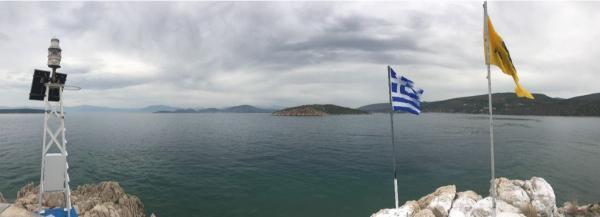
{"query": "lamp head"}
(54, 54)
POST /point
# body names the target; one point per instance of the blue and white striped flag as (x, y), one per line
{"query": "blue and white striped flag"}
(404, 95)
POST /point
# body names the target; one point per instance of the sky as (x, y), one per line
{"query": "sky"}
(218, 54)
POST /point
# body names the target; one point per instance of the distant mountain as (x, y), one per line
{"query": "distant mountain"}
(20, 111)
(246, 109)
(208, 110)
(318, 110)
(376, 108)
(178, 111)
(233, 109)
(91, 108)
(155, 108)
(509, 104)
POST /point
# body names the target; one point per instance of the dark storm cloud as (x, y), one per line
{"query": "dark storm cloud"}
(222, 53)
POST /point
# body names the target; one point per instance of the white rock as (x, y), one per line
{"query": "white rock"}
(516, 198)
(439, 201)
(542, 197)
(509, 214)
(425, 213)
(483, 208)
(463, 203)
(519, 183)
(512, 193)
(408, 209)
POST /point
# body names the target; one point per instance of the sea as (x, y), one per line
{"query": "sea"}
(272, 166)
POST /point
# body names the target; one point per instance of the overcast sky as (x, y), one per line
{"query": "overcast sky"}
(219, 54)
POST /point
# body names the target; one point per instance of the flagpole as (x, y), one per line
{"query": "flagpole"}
(393, 140)
(489, 77)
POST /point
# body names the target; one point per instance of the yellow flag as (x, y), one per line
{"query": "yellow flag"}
(500, 57)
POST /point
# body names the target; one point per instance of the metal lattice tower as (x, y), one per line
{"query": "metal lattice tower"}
(54, 173)
(48, 86)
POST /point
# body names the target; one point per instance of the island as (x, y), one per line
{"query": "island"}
(318, 110)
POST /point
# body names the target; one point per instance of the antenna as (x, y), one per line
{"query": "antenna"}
(48, 86)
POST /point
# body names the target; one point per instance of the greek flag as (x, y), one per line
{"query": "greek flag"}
(404, 95)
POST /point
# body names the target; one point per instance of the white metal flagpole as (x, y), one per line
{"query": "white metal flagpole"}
(393, 139)
(489, 77)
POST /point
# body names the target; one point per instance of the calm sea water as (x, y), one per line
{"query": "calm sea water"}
(261, 165)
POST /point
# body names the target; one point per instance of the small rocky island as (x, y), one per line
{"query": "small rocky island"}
(515, 198)
(318, 110)
(106, 199)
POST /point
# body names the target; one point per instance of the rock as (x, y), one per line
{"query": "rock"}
(440, 201)
(542, 197)
(408, 209)
(483, 208)
(104, 199)
(571, 209)
(463, 203)
(16, 211)
(103, 210)
(509, 214)
(516, 198)
(27, 197)
(27, 189)
(2, 199)
(424, 213)
(512, 193)
(593, 209)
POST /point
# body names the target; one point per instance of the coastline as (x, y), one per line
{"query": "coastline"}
(515, 198)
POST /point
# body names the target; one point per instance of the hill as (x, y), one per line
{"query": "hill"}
(509, 104)
(155, 108)
(21, 111)
(233, 109)
(318, 110)
(91, 108)
(376, 108)
(245, 109)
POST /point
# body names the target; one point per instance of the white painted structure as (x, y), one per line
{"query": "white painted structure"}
(54, 173)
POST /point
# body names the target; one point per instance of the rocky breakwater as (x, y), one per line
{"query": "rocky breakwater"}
(515, 198)
(106, 199)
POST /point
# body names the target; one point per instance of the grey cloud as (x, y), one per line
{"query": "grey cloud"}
(353, 43)
(219, 53)
(104, 83)
(4, 37)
